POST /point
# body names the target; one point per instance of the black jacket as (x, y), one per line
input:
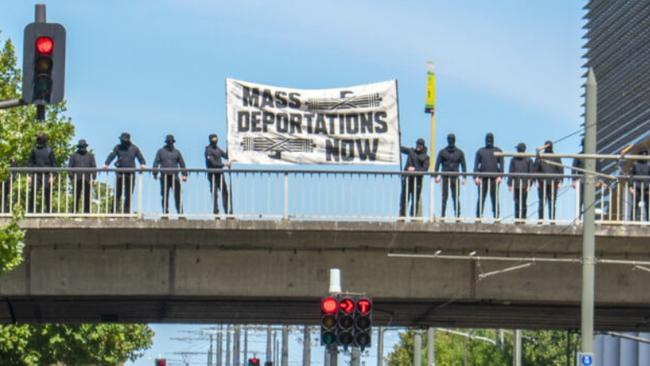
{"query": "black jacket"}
(41, 157)
(520, 165)
(542, 167)
(169, 158)
(86, 160)
(126, 156)
(417, 160)
(213, 156)
(451, 159)
(641, 168)
(486, 162)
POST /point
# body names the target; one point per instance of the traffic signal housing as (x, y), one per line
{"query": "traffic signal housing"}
(254, 361)
(329, 307)
(363, 323)
(161, 362)
(43, 63)
(345, 322)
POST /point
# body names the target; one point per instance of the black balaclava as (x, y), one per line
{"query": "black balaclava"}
(125, 139)
(548, 146)
(41, 140)
(489, 140)
(82, 147)
(419, 145)
(169, 142)
(451, 141)
(213, 140)
(521, 148)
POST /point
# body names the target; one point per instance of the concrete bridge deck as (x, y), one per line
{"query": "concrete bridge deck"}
(131, 270)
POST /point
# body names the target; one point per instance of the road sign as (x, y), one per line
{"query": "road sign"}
(585, 359)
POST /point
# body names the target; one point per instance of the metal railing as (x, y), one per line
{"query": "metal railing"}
(319, 195)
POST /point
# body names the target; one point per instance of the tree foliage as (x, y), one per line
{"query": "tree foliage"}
(82, 344)
(545, 347)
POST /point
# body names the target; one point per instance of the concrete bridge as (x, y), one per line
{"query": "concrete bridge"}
(135, 270)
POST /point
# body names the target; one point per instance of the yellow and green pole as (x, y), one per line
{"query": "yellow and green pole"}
(430, 107)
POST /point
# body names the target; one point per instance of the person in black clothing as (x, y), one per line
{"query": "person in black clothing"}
(640, 188)
(452, 159)
(548, 188)
(40, 157)
(82, 181)
(213, 160)
(520, 185)
(417, 161)
(169, 157)
(486, 162)
(126, 153)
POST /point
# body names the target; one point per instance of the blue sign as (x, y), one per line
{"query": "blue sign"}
(587, 360)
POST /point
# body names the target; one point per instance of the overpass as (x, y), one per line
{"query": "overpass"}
(127, 269)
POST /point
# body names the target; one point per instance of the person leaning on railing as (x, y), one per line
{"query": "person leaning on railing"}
(170, 157)
(519, 185)
(214, 160)
(41, 156)
(82, 181)
(452, 160)
(640, 188)
(486, 162)
(417, 161)
(126, 153)
(548, 188)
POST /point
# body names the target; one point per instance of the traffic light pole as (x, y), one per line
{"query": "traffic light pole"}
(306, 346)
(431, 346)
(380, 346)
(269, 348)
(417, 349)
(285, 345)
(355, 357)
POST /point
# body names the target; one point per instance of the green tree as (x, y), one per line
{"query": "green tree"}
(82, 344)
(48, 344)
(544, 347)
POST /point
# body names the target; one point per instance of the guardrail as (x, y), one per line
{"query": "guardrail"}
(319, 195)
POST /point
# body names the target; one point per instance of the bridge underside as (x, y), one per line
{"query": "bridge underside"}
(125, 270)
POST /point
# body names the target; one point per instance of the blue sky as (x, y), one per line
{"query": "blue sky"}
(511, 67)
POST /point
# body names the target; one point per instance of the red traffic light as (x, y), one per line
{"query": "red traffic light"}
(161, 362)
(328, 305)
(347, 305)
(254, 361)
(364, 306)
(44, 45)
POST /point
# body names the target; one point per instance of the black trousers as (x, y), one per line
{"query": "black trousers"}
(450, 184)
(411, 192)
(641, 196)
(547, 195)
(167, 182)
(39, 193)
(488, 185)
(82, 191)
(521, 202)
(124, 184)
(218, 183)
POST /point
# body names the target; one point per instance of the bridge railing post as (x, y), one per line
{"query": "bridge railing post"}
(285, 214)
(140, 181)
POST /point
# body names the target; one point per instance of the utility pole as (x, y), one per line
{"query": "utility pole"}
(355, 357)
(380, 346)
(516, 359)
(236, 346)
(269, 349)
(431, 346)
(220, 346)
(417, 349)
(588, 225)
(245, 345)
(306, 346)
(285, 345)
(276, 348)
(228, 359)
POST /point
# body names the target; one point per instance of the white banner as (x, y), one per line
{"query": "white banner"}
(271, 125)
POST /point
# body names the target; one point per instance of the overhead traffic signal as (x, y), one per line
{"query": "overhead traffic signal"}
(329, 308)
(43, 63)
(363, 323)
(254, 361)
(161, 362)
(345, 322)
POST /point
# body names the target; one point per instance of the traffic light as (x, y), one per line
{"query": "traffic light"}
(329, 308)
(345, 322)
(254, 361)
(363, 323)
(43, 63)
(161, 362)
